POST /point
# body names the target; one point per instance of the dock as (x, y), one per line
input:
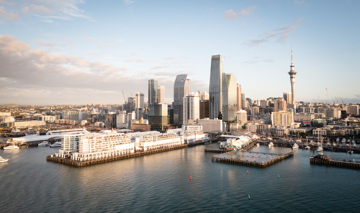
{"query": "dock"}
(74, 163)
(335, 163)
(218, 150)
(256, 159)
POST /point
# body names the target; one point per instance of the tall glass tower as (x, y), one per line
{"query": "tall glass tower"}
(215, 86)
(152, 92)
(229, 97)
(181, 88)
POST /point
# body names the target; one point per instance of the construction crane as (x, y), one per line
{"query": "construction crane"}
(124, 96)
(342, 100)
(337, 101)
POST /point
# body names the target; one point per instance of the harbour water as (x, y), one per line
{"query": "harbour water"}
(161, 183)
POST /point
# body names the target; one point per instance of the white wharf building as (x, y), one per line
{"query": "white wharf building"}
(96, 146)
(107, 143)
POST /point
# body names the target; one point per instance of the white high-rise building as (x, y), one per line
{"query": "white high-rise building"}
(161, 94)
(241, 117)
(139, 100)
(191, 105)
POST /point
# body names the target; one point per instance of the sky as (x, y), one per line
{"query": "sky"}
(84, 52)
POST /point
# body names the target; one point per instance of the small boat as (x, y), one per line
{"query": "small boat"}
(343, 140)
(44, 143)
(350, 152)
(257, 145)
(56, 144)
(11, 147)
(295, 146)
(334, 144)
(319, 149)
(307, 147)
(337, 140)
(3, 160)
(271, 144)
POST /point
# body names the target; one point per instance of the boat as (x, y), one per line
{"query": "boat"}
(10, 147)
(350, 152)
(257, 145)
(56, 144)
(337, 140)
(328, 144)
(319, 149)
(343, 140)
(295, 146)
(353, 143)
(271, 144)
(334, 144)
(307, 147)
(3, 160)
(44, 143)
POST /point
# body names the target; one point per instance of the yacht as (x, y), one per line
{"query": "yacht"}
(319, 149)
(343, 140)
(350, 152)
(56, 144)
(10, 147)
(337, 140)
(271, 144)
(353, 143)
(307, 147)
(44, 143)
(295, 146)
(3, 160)
(257, 145)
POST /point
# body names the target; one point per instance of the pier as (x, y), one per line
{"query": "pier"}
(255, 159)
(335, 163)
(71, 162)
(218, 150)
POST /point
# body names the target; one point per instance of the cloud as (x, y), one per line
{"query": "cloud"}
(3, 2)
(63, 36)
(280, 34)
(160, 67)
(26, 72)
(128, 1)
(299, 2)
(89, 39)
(8, 16)
(230, 14)
(25, 9)
(95, 53)
(259, 60)
(135, 54)
(138, 60)
(169, 58)
(40, 8)
(47, 44)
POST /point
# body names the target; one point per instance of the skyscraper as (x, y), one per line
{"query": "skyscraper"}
(280, 105)
(181, 88)
(238, 97)
(292, 74)
(161, 94)
(139, 100)
(191, 107)
(243, 101)
(152, 92)
(287, 97)
(229, 97)
(215, 86)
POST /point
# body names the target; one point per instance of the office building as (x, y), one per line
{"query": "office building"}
(215, 86)
(229, 97)
(191, 110)
(238, 97)
(204, 96)
(281, 118)
(139, 100)
(152, 92)
(287, 97)
(181, 88)
(279, 105)
(241, 117)
(161, 94)
(243, 101)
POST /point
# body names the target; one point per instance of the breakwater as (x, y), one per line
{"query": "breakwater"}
(251, 158)
(335, 163)
(71, 162)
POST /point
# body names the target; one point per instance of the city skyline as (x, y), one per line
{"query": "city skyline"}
(72, 52)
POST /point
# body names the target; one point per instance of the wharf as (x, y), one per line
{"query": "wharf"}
(218, 150)
(71, 162)
(335, 163)
(255, 159)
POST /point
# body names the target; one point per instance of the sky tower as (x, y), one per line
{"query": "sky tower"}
(292, 74)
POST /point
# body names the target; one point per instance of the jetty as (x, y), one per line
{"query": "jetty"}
(324, 160)
(218, 150)
(70, 162)
(256, 159)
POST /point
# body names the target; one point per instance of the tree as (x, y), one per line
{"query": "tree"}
(220, 116)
